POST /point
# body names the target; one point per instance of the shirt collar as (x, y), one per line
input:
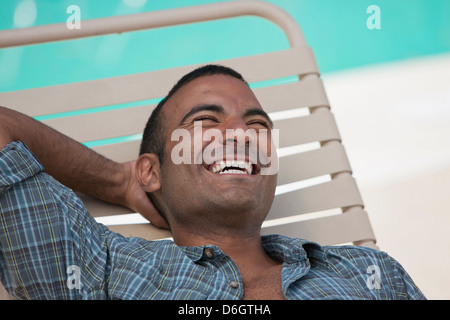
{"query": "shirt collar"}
(292, 250)
(279, 247)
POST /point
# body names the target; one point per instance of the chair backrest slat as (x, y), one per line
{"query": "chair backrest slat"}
(329, 159)
(125, 122)
(330, 230)
(337, 193)
(150, 85)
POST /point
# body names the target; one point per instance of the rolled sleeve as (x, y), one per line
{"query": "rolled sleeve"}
(17, 163)
(50, 247)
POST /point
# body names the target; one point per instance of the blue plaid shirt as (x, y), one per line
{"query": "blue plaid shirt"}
(51, 248)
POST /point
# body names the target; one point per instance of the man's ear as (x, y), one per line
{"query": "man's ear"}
(148, 172)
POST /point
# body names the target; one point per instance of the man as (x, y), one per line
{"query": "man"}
(52, 248)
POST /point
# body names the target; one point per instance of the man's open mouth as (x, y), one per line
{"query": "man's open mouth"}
(233, 167)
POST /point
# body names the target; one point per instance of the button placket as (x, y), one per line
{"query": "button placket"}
(224, 269)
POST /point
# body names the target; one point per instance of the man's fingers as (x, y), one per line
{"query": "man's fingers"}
(151, 214)
(146, 208)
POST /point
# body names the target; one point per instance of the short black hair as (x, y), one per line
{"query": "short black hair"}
(153, 136)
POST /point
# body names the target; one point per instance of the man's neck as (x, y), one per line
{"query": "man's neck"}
(261, 275)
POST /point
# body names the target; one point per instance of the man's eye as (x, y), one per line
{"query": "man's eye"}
(259, 124)
(205, 118)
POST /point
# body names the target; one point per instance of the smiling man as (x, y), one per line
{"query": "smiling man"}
(226, 208)
(214, 209)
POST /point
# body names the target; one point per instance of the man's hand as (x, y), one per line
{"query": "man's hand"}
(137, 199)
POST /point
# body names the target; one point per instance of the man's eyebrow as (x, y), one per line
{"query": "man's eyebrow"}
(259, 112)
(200, 108)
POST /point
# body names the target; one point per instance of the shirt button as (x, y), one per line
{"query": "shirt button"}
(234, 284)
(209, 252)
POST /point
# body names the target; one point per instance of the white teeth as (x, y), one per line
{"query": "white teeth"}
(219, 167)
(233, 171)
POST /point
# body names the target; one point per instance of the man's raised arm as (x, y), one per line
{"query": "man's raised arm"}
(76, 166)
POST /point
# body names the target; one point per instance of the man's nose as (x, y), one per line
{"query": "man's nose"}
(236, 131)
(235, 122)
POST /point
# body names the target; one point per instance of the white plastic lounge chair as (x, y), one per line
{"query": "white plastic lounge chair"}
(334, 208)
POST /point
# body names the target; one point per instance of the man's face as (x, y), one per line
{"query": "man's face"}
(205, 186)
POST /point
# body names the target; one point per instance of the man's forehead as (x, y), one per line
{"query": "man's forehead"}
(215, 82)
(209, 89)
